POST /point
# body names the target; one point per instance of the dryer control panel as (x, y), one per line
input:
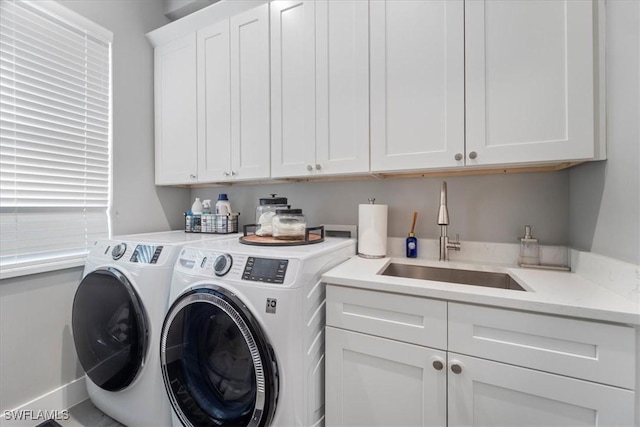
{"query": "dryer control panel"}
(265, 270)
(248, 268)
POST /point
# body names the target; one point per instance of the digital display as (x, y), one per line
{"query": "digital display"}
(146, 254)
(265, 270)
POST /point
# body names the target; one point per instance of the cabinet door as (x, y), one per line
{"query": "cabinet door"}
(417, 84)
(292, 88)
(214, 113)
(529, 81)
(342, 86)
(487, 393)
(373, 381)
(250, 127)
(175, 111)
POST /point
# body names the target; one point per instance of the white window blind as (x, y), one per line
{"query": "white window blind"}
(55, 140)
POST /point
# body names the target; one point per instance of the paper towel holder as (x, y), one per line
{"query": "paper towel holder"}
(372, 230)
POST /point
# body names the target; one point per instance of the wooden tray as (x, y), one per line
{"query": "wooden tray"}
(253, 239)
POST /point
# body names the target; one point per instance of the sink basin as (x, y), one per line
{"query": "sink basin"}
(450, 275)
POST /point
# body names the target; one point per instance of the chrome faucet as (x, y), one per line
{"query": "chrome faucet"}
(443, 222)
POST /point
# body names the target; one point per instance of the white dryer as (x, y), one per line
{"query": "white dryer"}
(243, 340)
(117, 316)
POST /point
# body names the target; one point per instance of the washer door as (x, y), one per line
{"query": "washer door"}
(217, 366)
(109, 329)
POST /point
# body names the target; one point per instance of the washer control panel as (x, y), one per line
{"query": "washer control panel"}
(265, 270)
(146, 254)
(134, 253)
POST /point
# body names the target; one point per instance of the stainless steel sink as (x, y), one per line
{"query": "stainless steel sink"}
(450, 275)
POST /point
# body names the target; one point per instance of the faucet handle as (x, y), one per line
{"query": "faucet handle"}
(455, 245)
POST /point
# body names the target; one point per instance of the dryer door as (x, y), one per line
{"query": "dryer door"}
(109, 329)
(217, 366)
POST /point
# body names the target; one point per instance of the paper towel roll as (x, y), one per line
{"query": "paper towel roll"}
(372, 231)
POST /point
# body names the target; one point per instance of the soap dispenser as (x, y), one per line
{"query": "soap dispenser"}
(529, 249)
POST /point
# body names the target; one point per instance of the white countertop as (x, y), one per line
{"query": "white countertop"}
(552, 292)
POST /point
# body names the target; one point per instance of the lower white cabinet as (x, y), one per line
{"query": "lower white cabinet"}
(496, 367)
(487, 393)
(372, 381)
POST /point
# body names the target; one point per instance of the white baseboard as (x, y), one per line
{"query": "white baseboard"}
(49, 405)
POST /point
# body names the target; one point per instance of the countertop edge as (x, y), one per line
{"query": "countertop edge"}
(352, 274)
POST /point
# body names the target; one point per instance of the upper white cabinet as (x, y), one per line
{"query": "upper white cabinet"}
(481, 83)
(417, 84)
(529, 81)
(233, 98)
(319, 88)
(212, 112)
(214, 102)
(302, 88)
(175, 112)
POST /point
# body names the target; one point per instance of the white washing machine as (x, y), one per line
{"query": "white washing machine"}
(117, 317)
(243, 341)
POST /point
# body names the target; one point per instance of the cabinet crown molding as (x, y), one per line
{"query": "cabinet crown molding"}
(202, 18)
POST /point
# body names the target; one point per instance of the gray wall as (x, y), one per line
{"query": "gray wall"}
(36, 347)
(492, 208)
(604, 197)
(36, 350)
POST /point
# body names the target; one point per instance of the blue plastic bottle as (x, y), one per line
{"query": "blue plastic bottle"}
(412, 246)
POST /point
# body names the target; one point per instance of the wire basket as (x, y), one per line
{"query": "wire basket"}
(212, 223)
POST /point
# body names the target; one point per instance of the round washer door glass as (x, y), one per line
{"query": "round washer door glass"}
(109, 329)
(217, 366)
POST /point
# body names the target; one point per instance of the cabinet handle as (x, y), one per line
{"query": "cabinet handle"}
(473, 155)
(225, 173)
(192, 176)
(309, 168)
(456, 369)
(458, 156)
(438, 365)
(234, 173)
(318, 166)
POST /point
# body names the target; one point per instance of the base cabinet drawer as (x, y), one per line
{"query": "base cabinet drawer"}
(593, 351)
(406, 318)
(486, 393)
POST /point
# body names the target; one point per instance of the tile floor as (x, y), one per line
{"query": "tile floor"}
(85, 414)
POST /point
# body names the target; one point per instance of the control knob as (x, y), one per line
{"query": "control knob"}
(222, 264)
(118, 251)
